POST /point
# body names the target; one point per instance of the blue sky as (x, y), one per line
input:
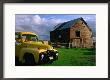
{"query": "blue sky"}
(42, 24)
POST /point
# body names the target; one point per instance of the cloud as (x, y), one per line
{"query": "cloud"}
(37, 20)
(34, 23)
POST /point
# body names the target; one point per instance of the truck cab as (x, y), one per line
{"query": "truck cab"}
(30, 51)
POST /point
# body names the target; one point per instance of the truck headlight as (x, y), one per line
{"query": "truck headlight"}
(42, 56)
(56, 54)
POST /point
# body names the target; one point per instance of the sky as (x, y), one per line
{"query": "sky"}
(42, 24)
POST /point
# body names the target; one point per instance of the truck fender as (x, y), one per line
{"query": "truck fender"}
(28, 50)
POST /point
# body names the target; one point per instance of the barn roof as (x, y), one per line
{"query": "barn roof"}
(60, 25)
(69, 24)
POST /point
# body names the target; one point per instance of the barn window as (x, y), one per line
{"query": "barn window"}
(77, 33)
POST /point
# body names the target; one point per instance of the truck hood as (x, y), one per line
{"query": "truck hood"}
(38, 45)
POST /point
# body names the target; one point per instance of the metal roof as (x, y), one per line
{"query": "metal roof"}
(67, 24)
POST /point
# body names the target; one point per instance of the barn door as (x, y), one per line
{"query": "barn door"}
(76, 43)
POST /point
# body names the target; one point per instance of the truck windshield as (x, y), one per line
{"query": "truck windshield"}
(29, 37)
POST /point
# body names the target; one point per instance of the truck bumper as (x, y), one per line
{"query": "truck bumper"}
(49, 57)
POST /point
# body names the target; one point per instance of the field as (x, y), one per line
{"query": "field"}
(75, 57)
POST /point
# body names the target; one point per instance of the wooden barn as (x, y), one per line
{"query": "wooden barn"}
(75, 33)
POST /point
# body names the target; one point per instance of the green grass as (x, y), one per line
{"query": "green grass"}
(75, 57)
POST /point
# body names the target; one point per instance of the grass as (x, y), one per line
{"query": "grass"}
(75, 57)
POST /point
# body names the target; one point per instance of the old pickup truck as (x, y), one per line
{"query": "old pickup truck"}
(30, 51)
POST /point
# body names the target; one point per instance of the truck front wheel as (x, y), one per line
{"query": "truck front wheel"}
(29, 59)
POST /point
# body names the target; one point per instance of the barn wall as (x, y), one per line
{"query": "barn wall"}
(85, 39)
(65, 35)
(51, 36)
(54, 36)
(60, 36)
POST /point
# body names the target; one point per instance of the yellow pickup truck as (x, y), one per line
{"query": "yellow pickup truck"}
(30, 51)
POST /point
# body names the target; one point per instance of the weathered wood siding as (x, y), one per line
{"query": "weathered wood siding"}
(85, 39)
(60, 36)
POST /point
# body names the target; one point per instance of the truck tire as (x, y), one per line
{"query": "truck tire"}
(29, 59)
(44, 60)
